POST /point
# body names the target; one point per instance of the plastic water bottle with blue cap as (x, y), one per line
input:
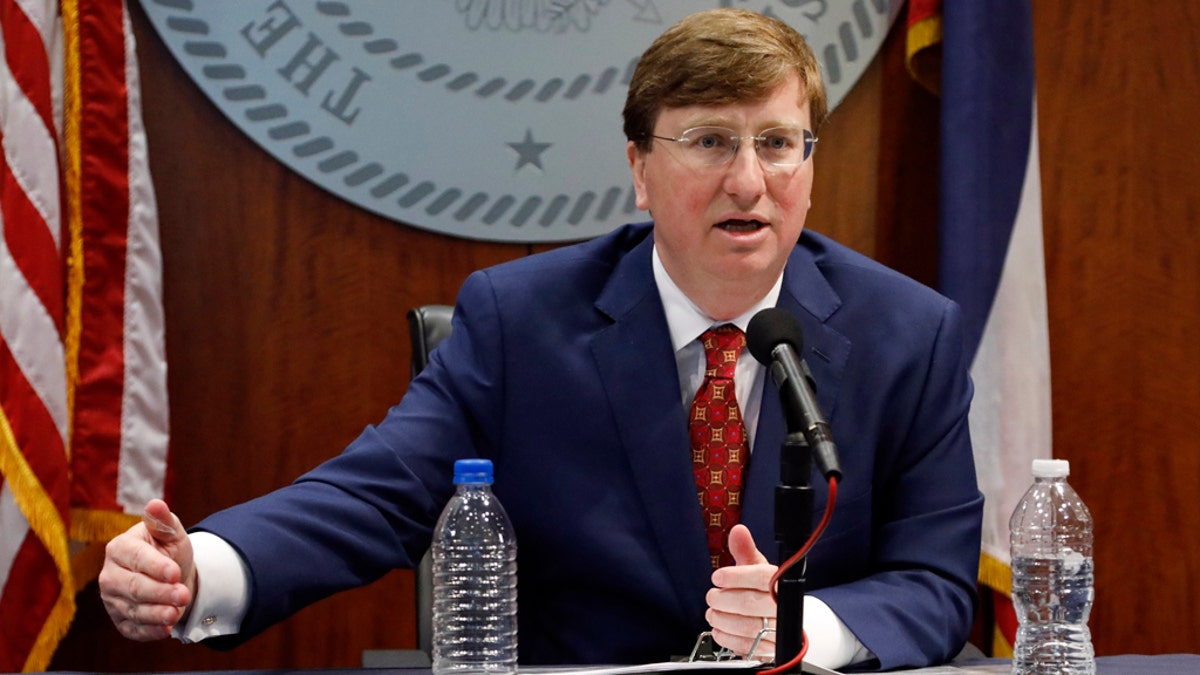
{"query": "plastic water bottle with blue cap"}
(474, 579)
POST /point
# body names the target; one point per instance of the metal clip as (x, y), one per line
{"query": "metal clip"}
(707, 650)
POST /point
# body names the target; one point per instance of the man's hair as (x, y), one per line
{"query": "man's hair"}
(719, 57)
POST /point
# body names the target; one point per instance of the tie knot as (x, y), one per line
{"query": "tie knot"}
(722, 346)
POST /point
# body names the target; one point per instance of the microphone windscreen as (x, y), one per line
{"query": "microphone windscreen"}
(768, 329)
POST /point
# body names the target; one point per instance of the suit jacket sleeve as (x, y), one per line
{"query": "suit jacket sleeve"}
(908, 592)
(373, 507)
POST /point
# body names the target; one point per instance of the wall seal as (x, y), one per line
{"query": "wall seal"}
(495, 120)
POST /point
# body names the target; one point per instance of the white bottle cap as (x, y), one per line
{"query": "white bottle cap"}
(1051, 468)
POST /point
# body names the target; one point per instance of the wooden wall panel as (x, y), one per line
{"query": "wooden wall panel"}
(1118, 103)
(286, 332)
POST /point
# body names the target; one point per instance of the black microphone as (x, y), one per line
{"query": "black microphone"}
(776, 340)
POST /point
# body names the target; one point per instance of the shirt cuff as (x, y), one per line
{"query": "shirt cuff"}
(830, 643)
(222, 590)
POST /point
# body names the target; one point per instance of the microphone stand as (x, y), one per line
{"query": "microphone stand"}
(793, 526)
(775, 339)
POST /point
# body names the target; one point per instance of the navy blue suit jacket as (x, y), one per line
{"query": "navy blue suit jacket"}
(561, 371)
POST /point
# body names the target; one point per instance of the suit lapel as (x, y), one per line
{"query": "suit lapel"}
(637, 366)
(807, 295)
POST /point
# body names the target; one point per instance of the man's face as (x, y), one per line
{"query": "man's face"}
(730, 225)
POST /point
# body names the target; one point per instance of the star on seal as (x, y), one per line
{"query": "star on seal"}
(529, 151)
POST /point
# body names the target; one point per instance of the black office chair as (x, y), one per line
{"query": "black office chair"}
(428, 325)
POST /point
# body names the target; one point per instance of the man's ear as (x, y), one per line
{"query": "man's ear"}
(637, 166)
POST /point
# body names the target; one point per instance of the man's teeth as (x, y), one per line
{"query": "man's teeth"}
(741, 225)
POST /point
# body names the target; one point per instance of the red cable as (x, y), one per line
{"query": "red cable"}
(787, 564)
(794, 663)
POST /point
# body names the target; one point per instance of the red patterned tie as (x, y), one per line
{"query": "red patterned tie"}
(720, 450)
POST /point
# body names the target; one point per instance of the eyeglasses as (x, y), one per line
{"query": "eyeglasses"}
(783, 147)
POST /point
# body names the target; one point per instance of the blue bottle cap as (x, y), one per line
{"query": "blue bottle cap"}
(473, 471)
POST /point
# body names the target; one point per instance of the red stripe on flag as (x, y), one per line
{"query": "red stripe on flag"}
(25, 54)
(1006, 618)
(34, 430)
(920, 10)
(27, 601)
(32, 246)
(104, 139)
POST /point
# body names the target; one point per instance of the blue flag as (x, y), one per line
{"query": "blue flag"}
(987, 115)
(991, 259)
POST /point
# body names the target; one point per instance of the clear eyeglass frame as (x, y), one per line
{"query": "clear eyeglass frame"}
(712, 146)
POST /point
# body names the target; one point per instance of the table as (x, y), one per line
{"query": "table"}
(1126, 664)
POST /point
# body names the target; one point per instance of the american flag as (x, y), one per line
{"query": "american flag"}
(83, 405)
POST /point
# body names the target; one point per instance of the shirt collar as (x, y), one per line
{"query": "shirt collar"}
(685, 320)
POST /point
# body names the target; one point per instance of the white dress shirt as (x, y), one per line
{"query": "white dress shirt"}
(831, 644)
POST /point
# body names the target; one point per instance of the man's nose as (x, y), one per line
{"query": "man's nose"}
(745, 175)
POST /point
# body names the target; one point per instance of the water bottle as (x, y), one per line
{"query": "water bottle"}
(1052, 576)
(474, 579)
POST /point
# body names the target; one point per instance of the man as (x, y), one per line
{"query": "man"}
(581, 375)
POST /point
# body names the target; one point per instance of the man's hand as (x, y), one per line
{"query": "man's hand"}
(148, 580)
(740, 604)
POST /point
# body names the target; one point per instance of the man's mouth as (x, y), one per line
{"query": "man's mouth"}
(741, 225)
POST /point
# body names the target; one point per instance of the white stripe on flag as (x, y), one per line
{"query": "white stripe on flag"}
(41, 15)
(29, 331)
(15, 528)
(144, 410)
(25, 137)
(1010, 417)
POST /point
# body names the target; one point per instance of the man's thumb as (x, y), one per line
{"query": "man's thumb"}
(161, 523)
(742, 548)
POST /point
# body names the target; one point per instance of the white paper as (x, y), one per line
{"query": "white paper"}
(664, 667)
